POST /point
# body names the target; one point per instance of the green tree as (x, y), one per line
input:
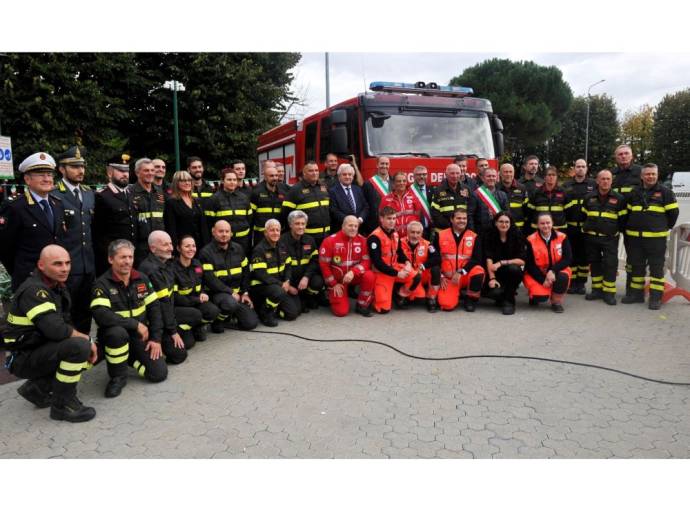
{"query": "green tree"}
(637, 131)
(530, 99)
(671, 132)
(569, 143)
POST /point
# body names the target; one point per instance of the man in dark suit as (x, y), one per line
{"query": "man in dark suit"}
(79, 203)
(347, 198)
(32, 220)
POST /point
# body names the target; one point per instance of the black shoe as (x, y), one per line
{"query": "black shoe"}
(199, 333)
(508, 308)
(533, 302)
(609, 299)
(217, 327)
(401, 302)
(469, 305)
(432, 305)
(38, 395)
(633, 298)
(71, 410)
(594, 295)
(654, 303)
(557, 308)
(577, 289)
(361, 310)
(312, 302)
(269, 319)
(114, 387)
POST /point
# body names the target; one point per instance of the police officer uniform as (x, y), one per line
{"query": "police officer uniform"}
(190, 312)
(266, 205)
(574, 216)
(28, 223)
(118, 308)
(233, 207)
(271, 266)
(79, 204)
(304, 257)
(43, 349)
(148, 209)
(315, 202)
(162, 277)
(226, 271)
(114, 217)
(605, 217)
(652, 213)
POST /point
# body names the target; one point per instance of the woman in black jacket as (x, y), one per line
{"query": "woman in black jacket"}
(184, 214)
(504, 257)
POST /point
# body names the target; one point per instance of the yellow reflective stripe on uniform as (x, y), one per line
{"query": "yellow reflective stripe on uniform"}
(244, 263)
(209, 213)
(647, 234)
(289, 204)
(157, 214)
(572, 203)
(72, 367)
(185, 327)
(515, 205)
(265, 209)
(654, 208)
(149, 299)
(207, 266)
(306, 206)
(184, 291)
(221, 273)
(444, 209)
(318, 230)
(134, 312)
(235, 270)
(117, 351)
(41, 308)
(271, 303)
(240, 234)
(609, 215)
(18, 320)
(223, 213)
(116, 360)
(671, 206)
(140, 368)
(100, 301)
(275, 270)
(161, 294)
(254, 266)
(67, 379)
(634, 208)
(552, 208)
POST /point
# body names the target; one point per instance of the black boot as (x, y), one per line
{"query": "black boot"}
(609, 298)
(595, 294)
(199, 333)
(400, 302)
(432, 305)
(364, 311)
(508, 308)
(654, 302)
(114, 387)
(268, 318)
(70, 409)
(217, 327)
(37, 392)
(633, 297)
(470, 305)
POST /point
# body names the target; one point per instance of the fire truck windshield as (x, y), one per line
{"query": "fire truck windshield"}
(430, 135)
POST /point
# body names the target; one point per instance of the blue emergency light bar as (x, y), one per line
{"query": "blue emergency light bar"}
(431, 88)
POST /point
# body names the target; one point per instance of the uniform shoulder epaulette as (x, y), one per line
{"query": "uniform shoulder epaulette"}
(85, 187)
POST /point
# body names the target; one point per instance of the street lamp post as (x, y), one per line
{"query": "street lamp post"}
(587, 123)
(175, 86)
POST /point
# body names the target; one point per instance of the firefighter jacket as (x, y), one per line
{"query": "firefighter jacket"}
(148, 208)
(266, 204)
(37, 307)
(422, 255)
(271, 264)
(233, 207)
(114, 303)
(383, 251)
(554, 202)
(445, 200)
(576, 192)
(114, 218)
(458, 251)
(304, 255)
(188, 283)
(78, 218)
(312, 200)
(651, 212)
(407, 209)
(225, 270)
(604, 215)
(162, 278)
(517, 201)
(25, 231)
(340, 254)
(626, 180)
(542, 256)
(203, 193)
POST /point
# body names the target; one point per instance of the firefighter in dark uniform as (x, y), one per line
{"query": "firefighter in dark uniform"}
(193, 307)
(233, 206)
(79, 204)
(126, 310)
(549, 198)
(201, 189)
(158, 268)
(271, 267)
(244, 185)
(652, 212)
(312, 198)
(605, 214)
(306, 282)
(517, 194)
(576, 189)
(31, 221)
(449, 196)
(149, 205)
(226, 277)
(43, 345)
(114, 216)
(626, 178)
(266, 201)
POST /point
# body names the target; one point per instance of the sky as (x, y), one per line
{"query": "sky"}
(632, 79)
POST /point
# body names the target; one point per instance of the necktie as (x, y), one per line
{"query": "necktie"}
(76, 194)
(350, 199)
(49, 213)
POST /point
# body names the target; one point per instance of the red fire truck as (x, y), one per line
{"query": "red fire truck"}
(413, 124)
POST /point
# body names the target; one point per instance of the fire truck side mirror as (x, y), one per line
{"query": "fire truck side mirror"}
(499, 145)
(339, 117)
(339, 143)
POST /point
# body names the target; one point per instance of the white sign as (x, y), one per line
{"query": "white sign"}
(6, 168)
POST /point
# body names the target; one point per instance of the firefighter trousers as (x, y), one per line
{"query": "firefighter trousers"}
(137, 356)
(647, 252)
(228, 306)
(340, 306)
(269, 298)
(449, 298)
(580, 261)
(80, 291)
(540, 293)
(602, 255)
(190, 319)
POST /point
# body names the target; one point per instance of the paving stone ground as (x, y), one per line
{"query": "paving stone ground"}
(252, 395)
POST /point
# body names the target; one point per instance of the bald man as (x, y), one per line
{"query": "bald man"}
(43, 345)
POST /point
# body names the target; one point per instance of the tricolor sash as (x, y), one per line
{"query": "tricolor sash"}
(489, 200)
(426, 210)
(380, 185)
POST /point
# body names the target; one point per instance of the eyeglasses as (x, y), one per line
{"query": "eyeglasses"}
(185, 180)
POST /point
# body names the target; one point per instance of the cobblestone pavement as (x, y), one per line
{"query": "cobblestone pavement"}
(251, 395)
